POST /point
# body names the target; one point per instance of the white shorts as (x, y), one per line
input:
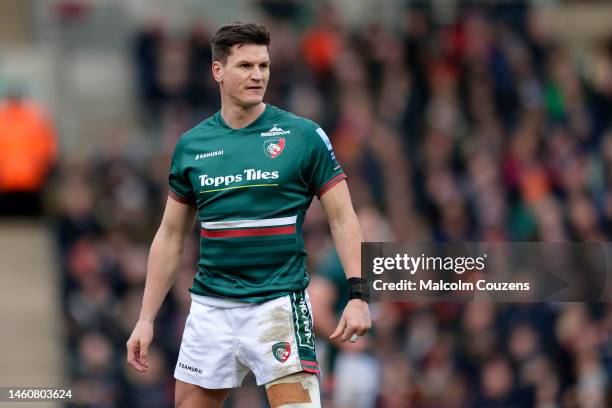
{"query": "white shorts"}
(224, 339)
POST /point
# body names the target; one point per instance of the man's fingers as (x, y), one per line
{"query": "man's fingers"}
(347, 333)
(352, 329)
(144, 352)
(355, 321)
(346, 329)
(131, 351)
(138, 346)
(339, 329)
(135, 356)
(138, 366)
(362, 330)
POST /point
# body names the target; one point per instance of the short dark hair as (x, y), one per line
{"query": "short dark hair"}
(237, 33)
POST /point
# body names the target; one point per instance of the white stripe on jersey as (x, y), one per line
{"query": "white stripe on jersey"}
(270, 222)
(323, 136)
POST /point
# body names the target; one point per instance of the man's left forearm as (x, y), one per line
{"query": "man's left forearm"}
(347, 239)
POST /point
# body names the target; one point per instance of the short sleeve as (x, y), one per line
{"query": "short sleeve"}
(324, 170)
(180, 186)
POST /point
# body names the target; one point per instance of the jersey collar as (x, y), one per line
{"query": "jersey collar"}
(262, 117)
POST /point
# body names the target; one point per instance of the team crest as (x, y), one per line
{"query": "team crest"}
(274, 147)
(281, 351)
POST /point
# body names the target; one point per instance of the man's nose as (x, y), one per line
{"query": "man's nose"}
(257, 74)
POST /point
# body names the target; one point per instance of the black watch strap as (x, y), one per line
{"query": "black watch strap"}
(358, 289)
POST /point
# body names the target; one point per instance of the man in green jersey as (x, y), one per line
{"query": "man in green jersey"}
(249, 173)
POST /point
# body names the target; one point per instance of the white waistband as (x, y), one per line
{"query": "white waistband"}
(218, 302)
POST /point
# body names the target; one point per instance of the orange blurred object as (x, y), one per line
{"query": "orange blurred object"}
(535, 184)
(320, 48)
(28, 146)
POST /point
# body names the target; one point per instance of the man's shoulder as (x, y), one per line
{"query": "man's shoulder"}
(200, 131)
(209, 124)
(285, 118)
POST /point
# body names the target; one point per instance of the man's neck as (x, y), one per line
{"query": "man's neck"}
(237, 117)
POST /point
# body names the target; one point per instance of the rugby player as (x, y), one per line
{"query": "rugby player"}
(249, 173)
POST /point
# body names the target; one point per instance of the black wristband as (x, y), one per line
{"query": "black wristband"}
(358, 289)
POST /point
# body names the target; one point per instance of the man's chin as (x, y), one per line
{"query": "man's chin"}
(251, 102)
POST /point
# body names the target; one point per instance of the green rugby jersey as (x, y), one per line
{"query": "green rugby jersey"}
(252, 187)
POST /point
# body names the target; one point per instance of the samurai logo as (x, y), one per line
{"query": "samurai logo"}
(274, 147)
(281, 351)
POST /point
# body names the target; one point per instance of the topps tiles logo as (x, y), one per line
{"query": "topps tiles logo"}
(246, 175)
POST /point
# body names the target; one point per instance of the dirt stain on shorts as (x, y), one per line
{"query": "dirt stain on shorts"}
(285, 370)
(277, 326)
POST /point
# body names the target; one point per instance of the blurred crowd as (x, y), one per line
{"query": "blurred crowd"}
(482, 130)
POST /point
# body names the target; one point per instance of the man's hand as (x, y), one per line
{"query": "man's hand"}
(355, 320)
(138, 345)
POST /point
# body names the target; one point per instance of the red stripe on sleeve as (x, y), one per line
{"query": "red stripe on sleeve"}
(327, 186)
(178, 198)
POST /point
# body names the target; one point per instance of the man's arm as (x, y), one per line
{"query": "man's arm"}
(347, 238)
(164, 260)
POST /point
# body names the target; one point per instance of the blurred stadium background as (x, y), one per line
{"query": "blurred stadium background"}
(455, 121)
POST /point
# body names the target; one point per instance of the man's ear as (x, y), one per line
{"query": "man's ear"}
(217, 71)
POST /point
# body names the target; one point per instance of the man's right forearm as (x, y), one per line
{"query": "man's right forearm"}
(162, 268)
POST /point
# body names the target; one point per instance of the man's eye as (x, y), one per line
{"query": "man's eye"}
(244, 65)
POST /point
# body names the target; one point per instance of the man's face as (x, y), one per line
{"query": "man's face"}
(244, 76)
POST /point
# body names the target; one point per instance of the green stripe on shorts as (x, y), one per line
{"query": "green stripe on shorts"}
(302, 326)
